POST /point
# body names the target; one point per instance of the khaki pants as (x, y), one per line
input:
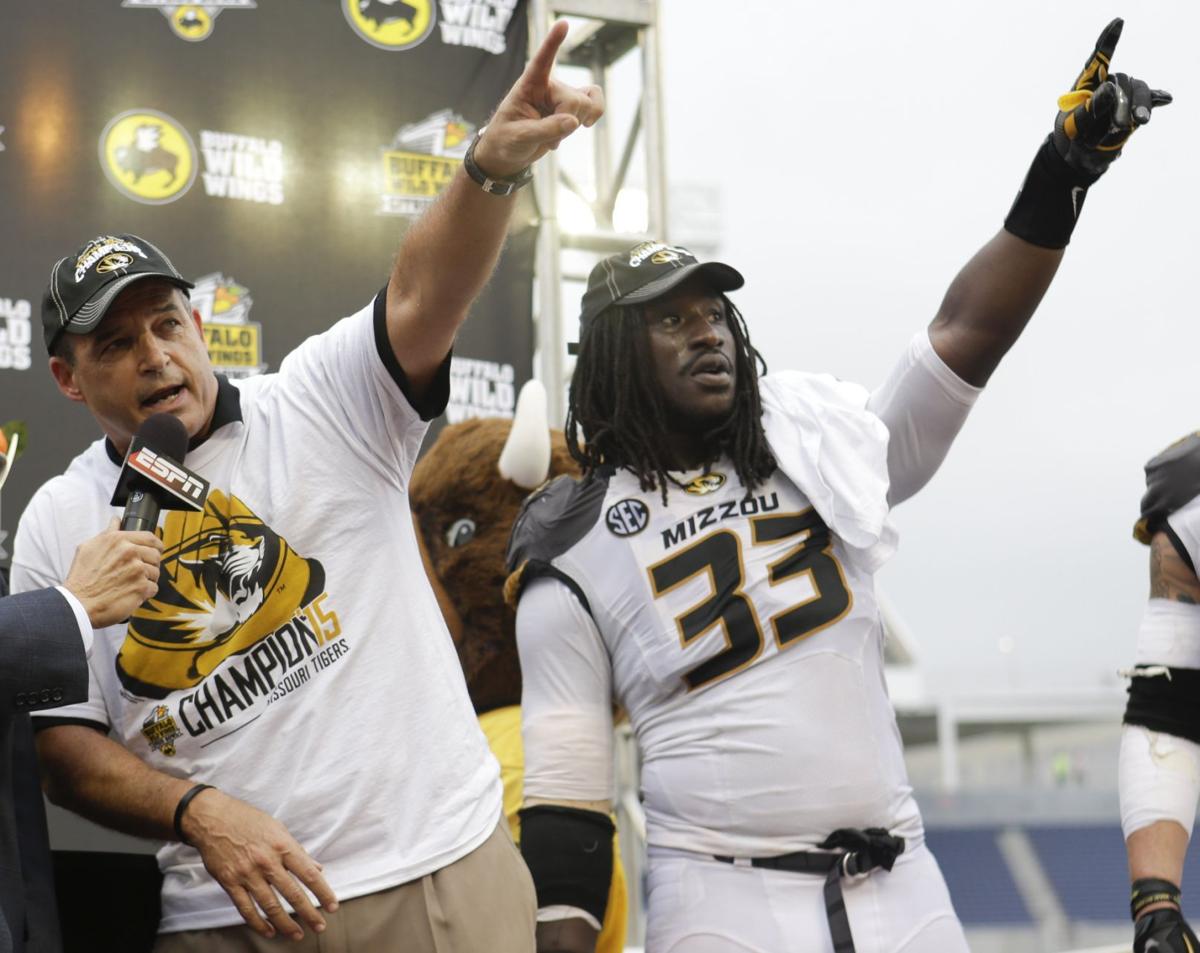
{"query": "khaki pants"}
(483, 903)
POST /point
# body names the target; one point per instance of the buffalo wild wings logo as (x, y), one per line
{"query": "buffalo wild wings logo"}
(480, 389)
(390, 24)
(234, 341)
(228, 582)
(148, 156)
(477, 23)
(16, 334)
(192, 21)
(422, 160)
(247, 168)
(161, 730)
(705, 483)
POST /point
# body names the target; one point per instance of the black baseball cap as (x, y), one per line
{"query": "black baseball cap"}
(83, 285)
(647, 271)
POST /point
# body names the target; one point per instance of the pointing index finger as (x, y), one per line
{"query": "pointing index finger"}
(1108, 40)
(1096, 70)
(542, 62)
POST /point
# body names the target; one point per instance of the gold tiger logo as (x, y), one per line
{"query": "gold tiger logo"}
(227, 582)
(706, 483)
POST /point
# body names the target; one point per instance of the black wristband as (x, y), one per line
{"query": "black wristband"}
(183, 805)
(1047, 207)
(1150, 890)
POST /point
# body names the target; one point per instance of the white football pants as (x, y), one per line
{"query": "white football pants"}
(699, 905)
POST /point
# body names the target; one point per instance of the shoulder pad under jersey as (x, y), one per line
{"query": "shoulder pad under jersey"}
(1172, 481)
(552, 519)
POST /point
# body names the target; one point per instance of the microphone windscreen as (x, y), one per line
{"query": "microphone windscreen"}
(165, 435)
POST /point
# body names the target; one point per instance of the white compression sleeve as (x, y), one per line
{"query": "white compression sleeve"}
(1169, 634)
(566, 706)
(1159, 773)
(924, 405)
(1158, 779)
(566, 697)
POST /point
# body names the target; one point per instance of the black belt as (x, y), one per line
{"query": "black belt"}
(854, 852)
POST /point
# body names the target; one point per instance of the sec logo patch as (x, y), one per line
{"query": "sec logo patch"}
(627, 517)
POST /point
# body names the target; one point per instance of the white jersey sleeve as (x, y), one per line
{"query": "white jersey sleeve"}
(924, 405)
(348, 379)
(566, 696)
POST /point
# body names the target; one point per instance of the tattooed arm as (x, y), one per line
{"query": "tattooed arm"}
(1171, 577)
(1158, 849)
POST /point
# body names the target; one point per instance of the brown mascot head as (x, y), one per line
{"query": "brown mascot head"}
(465, 493)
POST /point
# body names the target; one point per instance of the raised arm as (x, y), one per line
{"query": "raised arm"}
(448, 255)
(990, 301)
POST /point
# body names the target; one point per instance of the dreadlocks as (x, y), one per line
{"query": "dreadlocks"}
(620, 412)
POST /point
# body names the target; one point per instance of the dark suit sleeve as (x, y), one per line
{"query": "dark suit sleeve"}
(42, 660)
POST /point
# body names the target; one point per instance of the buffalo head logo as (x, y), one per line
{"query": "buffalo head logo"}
(146, 155)
(379, 12)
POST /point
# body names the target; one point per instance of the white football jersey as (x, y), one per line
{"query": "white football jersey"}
(742, 637)
(747, 651)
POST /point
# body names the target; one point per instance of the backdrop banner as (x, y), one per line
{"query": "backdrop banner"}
(276, 150)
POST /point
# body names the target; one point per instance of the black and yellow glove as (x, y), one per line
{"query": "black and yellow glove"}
(1102, 110)
(1094, 121)
(1164, 931)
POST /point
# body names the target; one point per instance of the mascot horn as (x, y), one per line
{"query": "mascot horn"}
(465, 493)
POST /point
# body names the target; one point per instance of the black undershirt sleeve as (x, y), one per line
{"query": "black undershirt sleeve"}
(433, 402)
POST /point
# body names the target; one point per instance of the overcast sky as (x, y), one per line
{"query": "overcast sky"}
(863, 151)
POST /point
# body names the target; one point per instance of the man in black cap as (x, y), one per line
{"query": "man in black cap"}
(713, 574)
(288, 714)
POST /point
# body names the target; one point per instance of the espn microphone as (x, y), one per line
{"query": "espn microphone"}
(153, 479)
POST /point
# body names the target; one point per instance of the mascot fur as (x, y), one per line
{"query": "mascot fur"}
(465, 493)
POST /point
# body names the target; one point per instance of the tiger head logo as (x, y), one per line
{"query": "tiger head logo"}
(706, 483)
(227, 582)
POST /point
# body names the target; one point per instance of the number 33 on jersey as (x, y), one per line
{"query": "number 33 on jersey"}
(714, 583)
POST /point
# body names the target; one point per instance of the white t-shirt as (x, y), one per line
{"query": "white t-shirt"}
(743, 640)
(295, 656)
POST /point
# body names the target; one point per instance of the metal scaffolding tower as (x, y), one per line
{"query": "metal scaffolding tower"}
(606, 34)
(607, 37)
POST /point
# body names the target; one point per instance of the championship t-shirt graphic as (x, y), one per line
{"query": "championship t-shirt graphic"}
(228, 584)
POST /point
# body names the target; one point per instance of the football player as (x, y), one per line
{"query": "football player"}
(1160, 744)
(713, 572)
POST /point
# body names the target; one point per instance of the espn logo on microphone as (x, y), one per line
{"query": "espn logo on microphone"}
(191, 489)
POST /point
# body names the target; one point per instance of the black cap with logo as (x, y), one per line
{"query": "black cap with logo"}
(83, 285)
(647, 271)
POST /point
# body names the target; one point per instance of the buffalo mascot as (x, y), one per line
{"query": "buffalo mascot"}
(465, 493)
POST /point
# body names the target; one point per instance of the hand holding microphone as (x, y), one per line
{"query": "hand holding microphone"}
(114, 573)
